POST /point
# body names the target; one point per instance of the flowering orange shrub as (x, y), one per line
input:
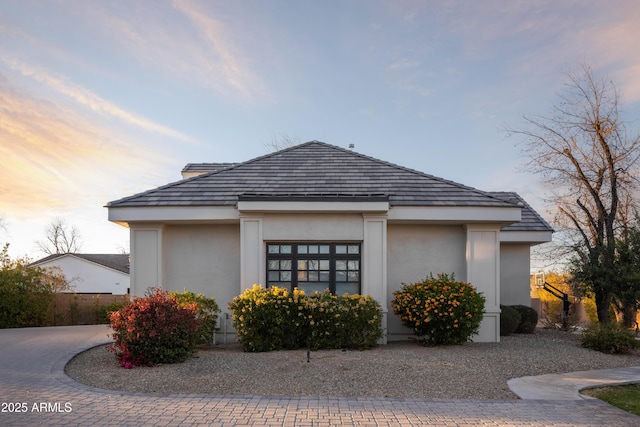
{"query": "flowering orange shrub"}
(275, 318)
(154, 329)
(439, 309)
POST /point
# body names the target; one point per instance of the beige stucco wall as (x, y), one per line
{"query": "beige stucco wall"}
(514, 274)
(209, 259)
(203, 259)
(146, 258)
(312, 227)
(414, 251)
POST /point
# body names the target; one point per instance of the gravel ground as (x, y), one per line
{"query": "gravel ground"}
(401, 369)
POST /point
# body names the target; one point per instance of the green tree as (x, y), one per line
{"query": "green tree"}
(627, 293)
(583, 151)
(26, 292)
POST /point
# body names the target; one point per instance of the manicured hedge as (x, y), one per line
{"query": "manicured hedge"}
(276, 318)
(509, 320)
(528, 319)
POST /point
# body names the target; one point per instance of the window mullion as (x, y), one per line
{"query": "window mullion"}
(294, 266)
(332, 275)
(294, 271)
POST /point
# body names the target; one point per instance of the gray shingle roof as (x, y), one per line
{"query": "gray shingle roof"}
(206, 167)
(531, 220)
(119, 262)
(313, 170)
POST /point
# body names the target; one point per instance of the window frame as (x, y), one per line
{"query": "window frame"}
(313, 252)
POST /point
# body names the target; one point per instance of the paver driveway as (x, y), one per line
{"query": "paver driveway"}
(32, 381)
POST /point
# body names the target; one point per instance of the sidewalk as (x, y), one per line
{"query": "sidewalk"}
(568, 386)
(35, 391)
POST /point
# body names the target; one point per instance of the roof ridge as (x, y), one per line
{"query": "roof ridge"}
(410, 170)
(214, 172)
(271, 154)
(162, 187)
(207, 164)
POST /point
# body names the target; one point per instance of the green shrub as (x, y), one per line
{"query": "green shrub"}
(347, 321)
(440, 310)
(267, 319)
(104, 311)
(154, 329)
(25, 301)
(263, 318)
(509, 320)
(609, 338)
(275, 318)
(206, 312)
(323, 318)
(26, 293)
(528, 319)
(361, 321)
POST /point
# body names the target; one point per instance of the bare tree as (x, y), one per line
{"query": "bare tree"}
(123, 249)
(60, 239)
(582, 150)
(280, 142)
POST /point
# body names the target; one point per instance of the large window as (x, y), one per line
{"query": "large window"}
(314, 266)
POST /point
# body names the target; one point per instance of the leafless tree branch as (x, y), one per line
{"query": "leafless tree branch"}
(60, 239)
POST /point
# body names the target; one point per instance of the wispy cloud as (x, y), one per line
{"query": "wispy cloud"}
(614, 42)
(629, 75)
(524, 45)
(553, 36)
(87, 98)
(55, 158)
(403, 63)
(213, 32)
(185, 40)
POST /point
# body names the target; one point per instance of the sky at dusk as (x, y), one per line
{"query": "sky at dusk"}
(103, 99)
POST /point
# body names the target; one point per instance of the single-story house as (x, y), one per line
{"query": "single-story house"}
(92, 273)
(317, 216)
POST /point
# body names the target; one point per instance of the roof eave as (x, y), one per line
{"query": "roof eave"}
(529, 237)
(457, 214)
(131, 214)
(311, 206)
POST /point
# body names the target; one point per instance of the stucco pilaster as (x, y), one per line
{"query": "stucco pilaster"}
(374, 263)
(483, 272)
(252, 255)
(147, 262)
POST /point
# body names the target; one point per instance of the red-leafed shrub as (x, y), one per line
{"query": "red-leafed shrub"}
(154, 329)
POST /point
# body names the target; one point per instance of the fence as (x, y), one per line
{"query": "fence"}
(83, 309)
